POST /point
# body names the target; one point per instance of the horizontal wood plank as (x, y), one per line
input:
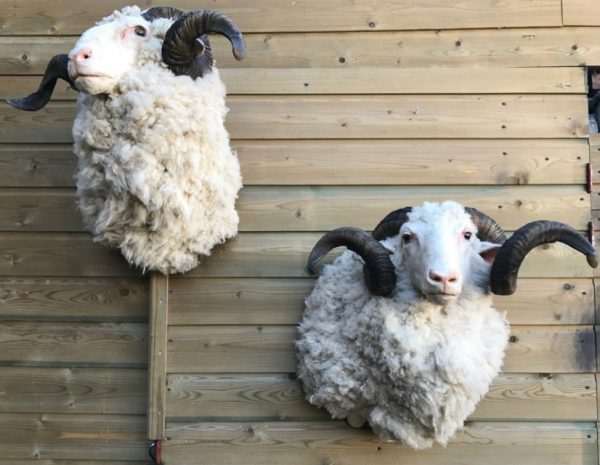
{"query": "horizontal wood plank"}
(73, 437)
(311, 81)
(70, 462)
(354, 117)
(48, 255)
(516, 48)
(37, 18)
(319, 208)
(287, 443)
(284, 255)
(37, 165)
(324, 208)
(73, 390)
(275, 397)
(414, 162)
(262, 349)
(208, 301)
(581, 13)
(247, 255)
(62, 299)
(343, 162)
(74, 343)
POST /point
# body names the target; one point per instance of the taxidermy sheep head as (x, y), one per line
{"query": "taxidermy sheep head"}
(400, 330)
(156, 175)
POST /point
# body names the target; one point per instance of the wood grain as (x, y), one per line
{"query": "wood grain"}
(487, 48)
(278, 255)
(313, 443)
(319, 208)
(581, 13)
(39, 254)
(247, 255)
(267, 349)
(358, 162)
(62, 299)
(72, 437)
(73, 343)
(157, 355)
(311, 81)
(73, 390)
(354, 117)
(222, 301)
(410, 162)
(273, 397)
(36, 18)
(29, 165)
(70, 462)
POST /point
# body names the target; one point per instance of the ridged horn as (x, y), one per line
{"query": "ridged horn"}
(503, 276)
(162, 12)
(391, 224)
(57, 68)
(487, 228)
(184, 49)
(379, 271)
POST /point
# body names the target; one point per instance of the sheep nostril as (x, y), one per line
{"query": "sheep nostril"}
(443, 279)
(435, 277)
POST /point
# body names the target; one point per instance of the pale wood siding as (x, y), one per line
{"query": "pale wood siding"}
(341, 112)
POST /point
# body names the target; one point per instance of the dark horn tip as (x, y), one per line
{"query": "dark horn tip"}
(239, 51)
(592, 260)
(22, 104)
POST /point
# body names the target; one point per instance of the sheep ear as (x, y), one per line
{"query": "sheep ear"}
(488, 251)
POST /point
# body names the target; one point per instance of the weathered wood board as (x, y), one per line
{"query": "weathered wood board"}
(307, 15)
(272, 397)
(506, 48)
(221, 301)
(354, 117)
(341, 112)
(359, 162)
(308, 443)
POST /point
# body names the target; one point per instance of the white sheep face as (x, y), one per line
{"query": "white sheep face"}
(440, 248)
(105, 52)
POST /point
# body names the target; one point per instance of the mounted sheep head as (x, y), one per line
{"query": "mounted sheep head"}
(110, 49)
(156, 175)
(447, 249)
(414, 350)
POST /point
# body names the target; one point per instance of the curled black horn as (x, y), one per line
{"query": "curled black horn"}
(57, 68)
(503, 277)
(487, 228)
(186, 51)
(379, 271)
(391, 224)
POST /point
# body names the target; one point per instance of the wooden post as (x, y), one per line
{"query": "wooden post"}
(157, 369)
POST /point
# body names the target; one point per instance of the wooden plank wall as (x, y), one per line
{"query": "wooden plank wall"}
(341, 112)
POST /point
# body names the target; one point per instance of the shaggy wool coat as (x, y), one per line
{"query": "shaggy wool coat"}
(157, 177)
(414, 370)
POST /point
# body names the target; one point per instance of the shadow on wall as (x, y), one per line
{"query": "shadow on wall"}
(593, 76)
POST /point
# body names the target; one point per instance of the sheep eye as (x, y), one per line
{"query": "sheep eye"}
(407, 237)
(467, 235)
(140, 31)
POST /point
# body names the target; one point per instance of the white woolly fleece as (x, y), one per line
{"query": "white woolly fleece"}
(157, 177)
(415, 370)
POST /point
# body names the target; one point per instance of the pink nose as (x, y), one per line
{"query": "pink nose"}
(443, 279)
(81, 55)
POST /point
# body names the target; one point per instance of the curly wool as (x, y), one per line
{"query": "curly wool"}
(414, 370)
(157, 177)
